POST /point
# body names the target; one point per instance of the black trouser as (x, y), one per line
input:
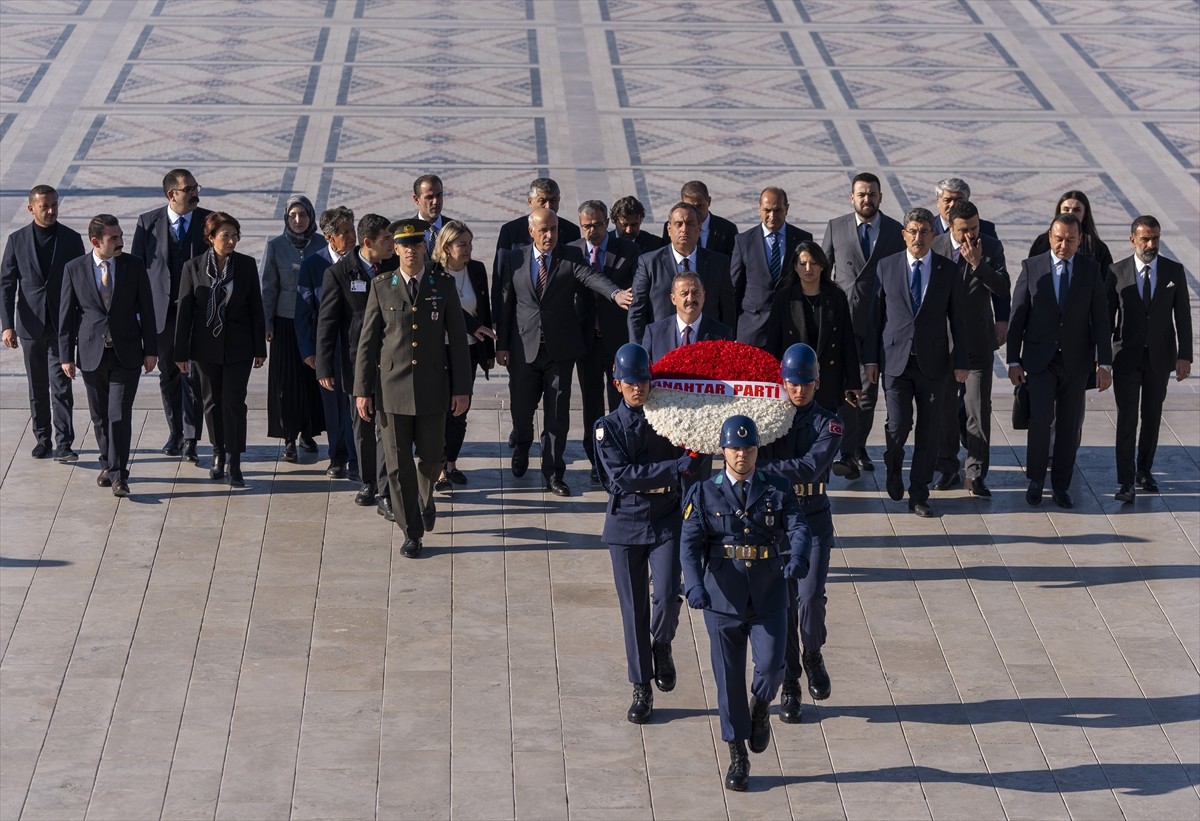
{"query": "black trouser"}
(967, 417)
(50, 398)
(859, 420)
(1055, 396)
(902, 392)
(223, 386)
(1138, 386)
(410, 483)
(595, 383)
(456, 426)
(548, 381)
(181, 392)
(111, 389)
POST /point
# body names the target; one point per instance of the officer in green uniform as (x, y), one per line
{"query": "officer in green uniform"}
(414, 338)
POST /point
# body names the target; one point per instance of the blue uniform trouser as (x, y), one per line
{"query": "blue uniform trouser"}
(806, 597)
(645, 616)
(727, 637)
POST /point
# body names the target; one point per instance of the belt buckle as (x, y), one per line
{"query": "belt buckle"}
(745, 552)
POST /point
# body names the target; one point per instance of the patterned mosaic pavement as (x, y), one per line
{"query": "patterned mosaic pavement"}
(233, 656)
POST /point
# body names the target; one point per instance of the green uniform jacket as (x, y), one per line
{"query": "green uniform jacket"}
(405, 344)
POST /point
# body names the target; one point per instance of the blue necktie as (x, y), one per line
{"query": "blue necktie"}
(776, 261)
(864, 239)
(914, 288)
(180, 229)
(1064, 282)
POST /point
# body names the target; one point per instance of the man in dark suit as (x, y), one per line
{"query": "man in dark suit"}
(343, 303)
(413, 356)
(106, 325)
(628, 214)
(30, 286)
(429, 197)
(919, 305)
(1058, 334)
(164, 239)
(1152, 335)
(945, 194)
(854, 244)
(603, 324)
(656, 271)
(543, 193)
(967, 407)
(537, 338)
(759, 267)
(688, 324)
(716, 233)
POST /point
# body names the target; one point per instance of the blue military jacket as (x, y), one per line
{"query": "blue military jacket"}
(713, 519)
(638, 468)
(805, 453)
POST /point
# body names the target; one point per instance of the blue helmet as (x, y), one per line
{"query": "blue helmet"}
(631, 364)
(800, 366)
(739, 432)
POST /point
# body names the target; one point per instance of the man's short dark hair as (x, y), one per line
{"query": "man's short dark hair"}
(370, 226)
(693, 189)
(1068, 220)
(544, 185)
(41, 191)
(99, 223)
(594, 207)
(962, 210)
(918, 215)
(332, 219)
(173, 177)
(1144, 221)
(687, 275)
(432, 179)
(628, 207)
(868, 178)
(774, 189)
(686, 206)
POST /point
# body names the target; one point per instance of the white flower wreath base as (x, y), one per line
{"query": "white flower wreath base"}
(693, 420)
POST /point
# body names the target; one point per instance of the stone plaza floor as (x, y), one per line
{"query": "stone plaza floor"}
(192, 652)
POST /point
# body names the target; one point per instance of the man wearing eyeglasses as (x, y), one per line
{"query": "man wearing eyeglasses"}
(165, 239)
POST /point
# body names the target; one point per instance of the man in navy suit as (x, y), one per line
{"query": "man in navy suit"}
(1152, 335)
(688, 324)
(656, 271)
(1058, 334)
(30, 284)
(106, 325)
(543, 193)
(537, 338)
(854, 244)
(759, 267)
(164, 239)
(716, 233)
(628, 214)
(919, 305)
(429, 197)
(945, 194)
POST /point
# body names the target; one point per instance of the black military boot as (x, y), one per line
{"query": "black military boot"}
(818, 679)
(643, 704)
(789, 702)
(760, 724)
(664, 667)
(737, 777)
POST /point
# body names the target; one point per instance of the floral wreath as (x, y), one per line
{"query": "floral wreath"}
(698, 386)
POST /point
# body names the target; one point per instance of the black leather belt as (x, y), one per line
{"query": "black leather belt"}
(745, 552)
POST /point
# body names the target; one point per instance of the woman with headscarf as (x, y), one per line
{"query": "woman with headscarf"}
(294, 407)
(219, 327)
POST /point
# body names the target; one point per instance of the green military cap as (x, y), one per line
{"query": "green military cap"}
(409, 231)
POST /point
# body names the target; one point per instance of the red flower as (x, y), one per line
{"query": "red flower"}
(718, 359)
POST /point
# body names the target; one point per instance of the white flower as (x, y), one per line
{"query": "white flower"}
(693, 420)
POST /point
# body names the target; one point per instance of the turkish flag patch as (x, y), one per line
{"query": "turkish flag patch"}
(835, 427)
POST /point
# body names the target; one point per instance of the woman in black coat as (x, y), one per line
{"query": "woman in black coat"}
(220, 327)
(452, 258)
(814, 310)
(1076, 202)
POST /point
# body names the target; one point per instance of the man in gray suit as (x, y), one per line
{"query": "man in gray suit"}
(919, 305)
(967, 407)
(656, 271)
(855, 243)
(759, 267)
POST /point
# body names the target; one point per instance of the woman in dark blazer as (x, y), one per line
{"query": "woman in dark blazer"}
(452, 259)
(814, 310)
(220, 327)
(1076, 202)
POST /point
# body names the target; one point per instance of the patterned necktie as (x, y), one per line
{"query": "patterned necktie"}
(105, 284)
(180, 229)
(914, 288)
(1146, 294)
(543, 274)
(687, 335)
(1064, 282)
(776, 261)
(864, 239)
(687, 264)
(433, 232)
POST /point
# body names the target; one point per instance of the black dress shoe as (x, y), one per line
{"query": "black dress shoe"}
(456, 476)
(1062, 499)
(65, 455)
(737, 777)
(103, 480)
(289, 451)
(41, 450)
(443, 485)
(235, 475)
(976, 487)
(352, 472)
(189, 450)
(558, 487)
(365, 496)
(171, 448)
(642, 706)
(921, 509)
(790, 709)
(760, 724)
(520, 462)
(1125, 493)
(864, 460)
(895, 487)
(664, 666)
(1033, 494)
(1148, 483)
(429, 516)
(847, 468)
(120, 488)
(818, 677)
(335, 471)
(411, 548)
(948, 480)
(383, 507)
(308, 444)
(512, 438)
(217, 471)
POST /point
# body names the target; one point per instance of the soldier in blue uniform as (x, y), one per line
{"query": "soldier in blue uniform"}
(804, 456)
(743, 535)
(641, 472)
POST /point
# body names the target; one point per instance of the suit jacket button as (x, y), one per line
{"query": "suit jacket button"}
(414, 361)
(415, 344)
(414, 326)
